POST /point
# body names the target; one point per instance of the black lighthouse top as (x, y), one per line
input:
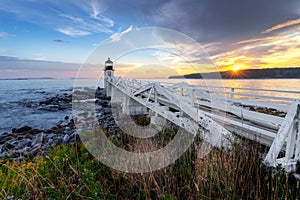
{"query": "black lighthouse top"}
(108, 65)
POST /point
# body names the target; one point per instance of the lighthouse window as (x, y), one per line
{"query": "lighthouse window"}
(108, 73)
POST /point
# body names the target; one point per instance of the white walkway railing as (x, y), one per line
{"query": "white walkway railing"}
(257, 114)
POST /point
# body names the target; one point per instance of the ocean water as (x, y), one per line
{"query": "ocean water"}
(15, 93)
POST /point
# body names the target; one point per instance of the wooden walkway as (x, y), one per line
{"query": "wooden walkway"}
(272, 120)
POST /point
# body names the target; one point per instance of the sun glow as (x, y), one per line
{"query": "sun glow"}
(236, 68)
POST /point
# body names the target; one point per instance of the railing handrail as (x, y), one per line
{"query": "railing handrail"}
(276, 131)
(232, 92)
(224, 87)
(255, 89)
(195, 87)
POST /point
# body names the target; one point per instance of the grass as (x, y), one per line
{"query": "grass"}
(71, 172)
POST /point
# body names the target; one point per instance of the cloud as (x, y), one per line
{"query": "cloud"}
(40, 58)
(78, 18)
(282, 50)
(222, 21)
(97, 11)
(70, 31)
(117, 36)
(12, 67)
(58, 40)
(5, 35)
(257, 40)
(283, 25)
(212, 47)
(87, 25)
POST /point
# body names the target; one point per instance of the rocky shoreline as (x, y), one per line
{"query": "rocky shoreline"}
(26, 141)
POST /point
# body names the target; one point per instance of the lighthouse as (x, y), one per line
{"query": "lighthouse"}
(108, 76)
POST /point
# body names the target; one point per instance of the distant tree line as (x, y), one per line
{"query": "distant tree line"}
(268, 73)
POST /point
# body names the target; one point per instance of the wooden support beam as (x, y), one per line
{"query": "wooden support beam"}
(281, 136)
(297, 148)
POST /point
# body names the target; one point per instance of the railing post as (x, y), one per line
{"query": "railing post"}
(283, 132)
(155, 95)
(232, 93)
(290, 144)
(192, 95)
(297, 127)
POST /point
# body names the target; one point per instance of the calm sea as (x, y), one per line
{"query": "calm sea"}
(14, 94)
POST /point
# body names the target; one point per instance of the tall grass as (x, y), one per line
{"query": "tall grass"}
(71, 172)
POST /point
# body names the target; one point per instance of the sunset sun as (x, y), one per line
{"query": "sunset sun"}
(236, 68)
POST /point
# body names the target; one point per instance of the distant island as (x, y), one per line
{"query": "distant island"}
(268, 73)
(25, 78)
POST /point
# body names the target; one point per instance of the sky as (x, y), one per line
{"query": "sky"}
(52, 38)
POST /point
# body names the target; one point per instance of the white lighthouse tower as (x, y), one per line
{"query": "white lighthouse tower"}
(108, 76)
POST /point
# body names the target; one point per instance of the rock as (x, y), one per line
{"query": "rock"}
(60, 122)
(38, 139)
(48, 131)
(74, 137)
(58, 129)
(105, 125)
(51, 108)
(40, 91)
(252, 108)
(282, 114)
(105, 103)
(35, 149)
(57, 141)
(30, 136)
(22, 129)
(4, 134)
(100, 93)
(53, 144)
(8, 146)
(50, 141)
(63, 106)
(106, 111)
(12, 140)
(28, 105)
(4, 139)
(46, 147)
(26, 140)
(66, 139)
(19, 151)
(51, 135)
(35, 131)
(25, 143)
(27, 149)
